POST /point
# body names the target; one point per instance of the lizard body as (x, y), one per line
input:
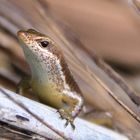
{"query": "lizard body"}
(51, 79)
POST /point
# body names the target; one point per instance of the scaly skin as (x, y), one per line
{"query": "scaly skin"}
(51, 79)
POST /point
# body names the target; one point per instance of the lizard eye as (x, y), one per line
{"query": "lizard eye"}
(44, 44)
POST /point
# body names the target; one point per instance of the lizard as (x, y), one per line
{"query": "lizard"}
(51, 79)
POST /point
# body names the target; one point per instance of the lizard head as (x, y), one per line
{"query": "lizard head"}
(37, 42)
(41, 53)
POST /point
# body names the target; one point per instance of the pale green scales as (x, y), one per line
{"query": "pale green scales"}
(51, 79)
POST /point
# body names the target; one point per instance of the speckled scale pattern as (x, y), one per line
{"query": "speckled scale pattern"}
(54, 71)
(51, 64)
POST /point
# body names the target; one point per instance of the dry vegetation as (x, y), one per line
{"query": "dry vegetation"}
(109, 28)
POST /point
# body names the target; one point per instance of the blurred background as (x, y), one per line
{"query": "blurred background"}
(109, 28)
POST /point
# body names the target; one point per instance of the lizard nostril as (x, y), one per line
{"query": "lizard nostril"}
(21, 33)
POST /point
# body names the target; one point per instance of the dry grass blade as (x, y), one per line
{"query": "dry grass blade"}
(36, 116)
